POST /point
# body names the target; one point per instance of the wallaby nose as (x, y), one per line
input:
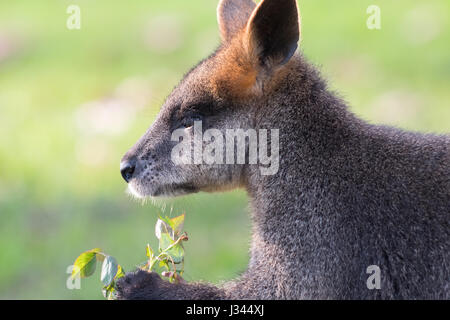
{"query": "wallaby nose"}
(127, 168)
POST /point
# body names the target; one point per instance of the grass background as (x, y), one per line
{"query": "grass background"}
(73, 101)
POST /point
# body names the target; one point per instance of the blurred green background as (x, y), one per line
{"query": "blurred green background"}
(73, 101)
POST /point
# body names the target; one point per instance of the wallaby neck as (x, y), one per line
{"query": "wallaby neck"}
(313, 126)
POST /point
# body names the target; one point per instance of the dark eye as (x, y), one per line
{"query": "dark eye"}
(188, 120)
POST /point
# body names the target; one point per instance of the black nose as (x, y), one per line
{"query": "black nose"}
(127, 168)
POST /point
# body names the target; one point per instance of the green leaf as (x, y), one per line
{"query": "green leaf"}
(100, 256)
(85, 264)
(120, 273)
(176, 253)
(109, 270)
(177, 224)
(165, 241)
(150, 253)
(162, 227)
(164, 264)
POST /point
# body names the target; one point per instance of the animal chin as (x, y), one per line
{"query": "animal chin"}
(135, 191)
(174, 190)
(163, 191)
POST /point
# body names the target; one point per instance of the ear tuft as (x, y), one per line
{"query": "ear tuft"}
(232, 16)
(273, 32)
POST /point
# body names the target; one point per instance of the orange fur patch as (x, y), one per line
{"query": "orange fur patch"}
(235, 75)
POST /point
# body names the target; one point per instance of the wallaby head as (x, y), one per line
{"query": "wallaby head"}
(225, 91)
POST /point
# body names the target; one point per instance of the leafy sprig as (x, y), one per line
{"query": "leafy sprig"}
(169, 260)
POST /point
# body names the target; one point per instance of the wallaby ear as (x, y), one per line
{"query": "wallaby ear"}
(273, 32)
(232, 16)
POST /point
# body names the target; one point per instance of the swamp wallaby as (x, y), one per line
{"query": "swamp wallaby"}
(346, 196)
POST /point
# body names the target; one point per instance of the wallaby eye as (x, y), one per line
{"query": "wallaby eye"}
(188, 121)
